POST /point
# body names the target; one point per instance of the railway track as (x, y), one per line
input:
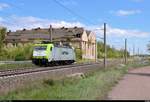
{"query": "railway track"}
(13, 79)
(19, 71)
(12, 72)
(14, 62)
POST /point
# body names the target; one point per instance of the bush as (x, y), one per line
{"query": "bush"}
(78, 53)
(19, 58)
(49, 82)
(17, 53)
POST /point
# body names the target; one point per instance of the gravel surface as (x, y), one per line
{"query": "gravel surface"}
(134, 86)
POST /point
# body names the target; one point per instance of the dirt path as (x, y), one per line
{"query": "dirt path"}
(134, 86)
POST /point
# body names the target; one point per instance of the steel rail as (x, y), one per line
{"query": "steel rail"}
(40, 69)
(30, 68)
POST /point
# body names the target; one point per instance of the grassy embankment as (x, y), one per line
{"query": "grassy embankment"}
(93, 86)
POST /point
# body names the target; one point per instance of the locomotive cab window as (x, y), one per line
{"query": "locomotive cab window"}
(40, 48)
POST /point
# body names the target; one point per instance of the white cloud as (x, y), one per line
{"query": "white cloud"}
(127, 12)
(117, 32)
(29, 22)
(3, 5)
(16, 23)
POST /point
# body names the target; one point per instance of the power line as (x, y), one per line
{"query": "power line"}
(60, 4)
(72, 12)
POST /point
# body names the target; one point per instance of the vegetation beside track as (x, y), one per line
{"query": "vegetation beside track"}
(94, 85)
(16, 66)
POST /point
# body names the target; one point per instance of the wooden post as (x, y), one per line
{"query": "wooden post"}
(50, 33)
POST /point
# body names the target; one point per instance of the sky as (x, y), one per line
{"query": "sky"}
(124, 18)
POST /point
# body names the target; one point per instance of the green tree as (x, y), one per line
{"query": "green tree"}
(2, 37)
(100, 49)
(148, 47)
(111, 52)
(78, 54)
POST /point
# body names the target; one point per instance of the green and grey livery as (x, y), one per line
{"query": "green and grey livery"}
(50, 54)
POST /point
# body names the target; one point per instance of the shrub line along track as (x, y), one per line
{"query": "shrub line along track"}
(12, 72)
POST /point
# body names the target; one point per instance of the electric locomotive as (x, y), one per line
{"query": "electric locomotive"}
(53, 54)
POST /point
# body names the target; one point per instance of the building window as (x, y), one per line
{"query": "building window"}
(78, 35)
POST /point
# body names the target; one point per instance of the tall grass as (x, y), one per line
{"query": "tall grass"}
(78, 53)
(19, 52)
(93, 86)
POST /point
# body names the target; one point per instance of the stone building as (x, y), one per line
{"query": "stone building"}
(78, 37)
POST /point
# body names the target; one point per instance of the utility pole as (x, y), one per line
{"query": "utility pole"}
(125, 51)
(50, 31)
(138, 51)
(105, 49)
(133, 50)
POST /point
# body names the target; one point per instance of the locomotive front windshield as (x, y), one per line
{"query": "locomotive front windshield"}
(40, 48)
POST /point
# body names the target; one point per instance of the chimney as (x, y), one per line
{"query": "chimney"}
(75, 27)
(37, 28)
(8, 32)
(66, 28)
(24, 29)
(62, 27)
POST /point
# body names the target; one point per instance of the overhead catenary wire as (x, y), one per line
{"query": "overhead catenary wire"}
(73, 12)
(60, 4)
